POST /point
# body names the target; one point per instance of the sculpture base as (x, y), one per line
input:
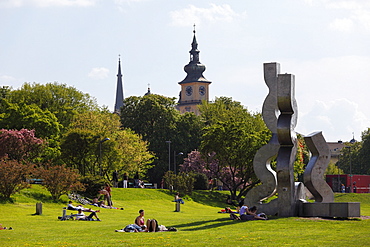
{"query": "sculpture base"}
(330, 209)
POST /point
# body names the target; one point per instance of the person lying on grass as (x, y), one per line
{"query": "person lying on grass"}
(101, 204)
(81, 216)
(71, 207)
(152, 227)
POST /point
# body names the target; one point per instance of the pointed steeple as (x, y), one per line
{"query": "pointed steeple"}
(194, 68)
(119, 91)
(148, 93)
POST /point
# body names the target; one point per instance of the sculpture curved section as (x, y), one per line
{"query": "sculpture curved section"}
(261, 161)
(288, 145)
(314, 172)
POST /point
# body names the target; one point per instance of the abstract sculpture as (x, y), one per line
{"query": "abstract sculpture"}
(279, 112)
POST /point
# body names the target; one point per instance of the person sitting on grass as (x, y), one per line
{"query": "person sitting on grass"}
(178, 198)
(71, 207)
(250, 214)
(81, 216)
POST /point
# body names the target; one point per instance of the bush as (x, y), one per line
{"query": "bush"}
(201, 181)
(13, 176)
(92, 184)
(59, 180)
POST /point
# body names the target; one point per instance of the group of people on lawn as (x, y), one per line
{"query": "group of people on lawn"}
(245, 213)
(151, 225)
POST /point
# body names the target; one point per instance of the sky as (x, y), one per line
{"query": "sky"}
(323, 43)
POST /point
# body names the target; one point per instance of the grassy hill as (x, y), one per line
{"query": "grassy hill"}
(198, 223)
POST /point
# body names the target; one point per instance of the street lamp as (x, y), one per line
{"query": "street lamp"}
(169, 155)
(100, 157)
(338, 163)
(350, 168)
(174, 159)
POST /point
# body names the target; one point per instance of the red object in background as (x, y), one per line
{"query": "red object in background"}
(360, 183)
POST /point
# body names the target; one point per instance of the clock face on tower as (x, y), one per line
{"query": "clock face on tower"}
(189, 90)
(202, 90)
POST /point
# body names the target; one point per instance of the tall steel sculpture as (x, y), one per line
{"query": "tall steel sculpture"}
(279, 112)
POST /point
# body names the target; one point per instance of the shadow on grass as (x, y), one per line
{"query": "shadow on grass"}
(209, 224)
(39, 196)
(205, 197)
(4, 200)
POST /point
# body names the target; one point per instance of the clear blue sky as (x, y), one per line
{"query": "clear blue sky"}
(324, 43)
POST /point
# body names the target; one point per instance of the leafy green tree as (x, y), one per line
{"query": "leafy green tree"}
(61, 100)
(333, 170)
(349, 158)
(232, 137)
(362, 161)
(182, 182)
(58, 179)
(83, 147)
(14, 175)
(156, 120)
(22, 116)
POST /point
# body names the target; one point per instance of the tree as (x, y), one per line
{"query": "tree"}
(83, 149)
(22, 116)
(13, 176)
(232, 137)
(349, 160)
(361, 161)
(61, 100)
(20, 144)
(156, 120)
(58, 179)
(182, 182)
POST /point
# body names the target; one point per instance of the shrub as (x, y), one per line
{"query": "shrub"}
(13, 176)
(92, 184)
(201, 181)
(59, 179)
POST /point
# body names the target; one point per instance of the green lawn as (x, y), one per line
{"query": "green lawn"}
(198, 223)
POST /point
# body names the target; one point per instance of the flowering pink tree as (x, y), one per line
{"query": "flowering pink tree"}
(19, 144)
(229, 177)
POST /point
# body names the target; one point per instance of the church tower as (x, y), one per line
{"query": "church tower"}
(119, 91)
(194, 88)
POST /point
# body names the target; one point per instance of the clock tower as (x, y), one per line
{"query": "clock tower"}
(194, 88)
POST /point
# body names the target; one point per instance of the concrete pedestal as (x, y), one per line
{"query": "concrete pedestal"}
(330, 209)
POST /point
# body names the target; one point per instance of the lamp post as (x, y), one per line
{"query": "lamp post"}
(169, 155)
(350, 168)
(339, 185)
(174, 159)
(100, 157)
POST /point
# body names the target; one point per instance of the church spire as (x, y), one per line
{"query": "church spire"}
(194, 69)
(119, 92)
(194, 52)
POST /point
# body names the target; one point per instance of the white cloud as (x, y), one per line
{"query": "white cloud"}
(338, 118)
(47, 3)
(358, 13)
(6, 78)
(193, 14)
(99, 73)
(344, 25)
(330, 96)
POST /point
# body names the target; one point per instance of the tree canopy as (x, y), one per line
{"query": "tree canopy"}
(85, 149)
(155, 118)
(231, 138)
